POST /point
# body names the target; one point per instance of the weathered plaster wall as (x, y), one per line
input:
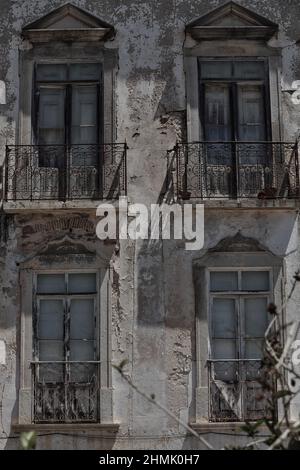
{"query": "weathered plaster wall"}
(153, 296)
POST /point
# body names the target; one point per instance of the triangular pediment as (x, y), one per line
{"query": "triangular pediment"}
(231, 20)
(68, 21)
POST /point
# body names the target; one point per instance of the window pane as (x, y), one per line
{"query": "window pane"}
(51, 116)
(82, 283)
(82, 350)
(51, 72)
(252, 125)
(84, 115)
(216, 69)
(51, 284)
(254, 349)
(84, 71)
(249, 70)
(217, 114)
(224, 318)
(256, 317)
(224, 349)
(51, 350)
(82, 319)
(51, 319)
(50, 373)
(256, 281)
(223, 281)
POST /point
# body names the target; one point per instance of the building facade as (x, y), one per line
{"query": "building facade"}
(169, 103)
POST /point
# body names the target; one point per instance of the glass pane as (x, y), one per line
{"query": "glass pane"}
(224, 349)
(51, 72)
(82, 319)
(256, 317)
(217, 115)
(50, 373)
(51, 284)
(252, 126)
(51, 319)
(51, 350)
(82, 283)
(254, 348)
(249, 70)
(256, 281)
(85, 71)
(81, 350)
(223, 281)
(224, 318)
(84, 372)
(84, 115)
(216, 69)
(51, 118)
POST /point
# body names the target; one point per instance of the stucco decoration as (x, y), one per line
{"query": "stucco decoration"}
(68, 23)
(232, 21)
(238, 243)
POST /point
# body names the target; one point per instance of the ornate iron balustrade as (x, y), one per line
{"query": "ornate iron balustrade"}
(264, 170)
(65, 392)
(59, 172)
(239, 390)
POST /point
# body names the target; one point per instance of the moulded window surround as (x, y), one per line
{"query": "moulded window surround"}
(238, 319)
(34, 284)
(61, 54)
(226, 52)
(240, 266)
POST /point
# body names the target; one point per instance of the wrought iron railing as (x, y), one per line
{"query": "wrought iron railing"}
(264, 170)
(239, 390)
(65, 392)
(60, 172)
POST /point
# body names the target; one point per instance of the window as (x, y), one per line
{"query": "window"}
(233, 92)
(233, 96)
(67, 112)
(239, 318)
(235, 121)
(65, 344)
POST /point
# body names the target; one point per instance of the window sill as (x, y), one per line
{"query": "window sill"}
(245, 203)
(54, 205)
(105, 428)
(226, 427)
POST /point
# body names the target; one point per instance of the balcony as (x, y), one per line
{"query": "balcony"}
(65, 392)
(237, 170)
(239, 390)
(64, 173)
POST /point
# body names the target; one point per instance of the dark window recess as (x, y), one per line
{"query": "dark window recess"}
(65, 367)
(234, 105)
(238, 382)
(67, 111)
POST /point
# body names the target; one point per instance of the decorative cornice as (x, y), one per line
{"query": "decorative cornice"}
(252, 25)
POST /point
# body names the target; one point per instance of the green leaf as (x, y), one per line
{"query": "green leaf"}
(28, 440)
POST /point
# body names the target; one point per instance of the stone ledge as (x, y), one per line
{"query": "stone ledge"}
(207, 427)
(12, 207)
(247, 204)
(106, 428)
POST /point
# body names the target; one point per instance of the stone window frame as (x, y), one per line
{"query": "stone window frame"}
(239, 49)
(201, 268)
(55, 264)
(60, 52)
